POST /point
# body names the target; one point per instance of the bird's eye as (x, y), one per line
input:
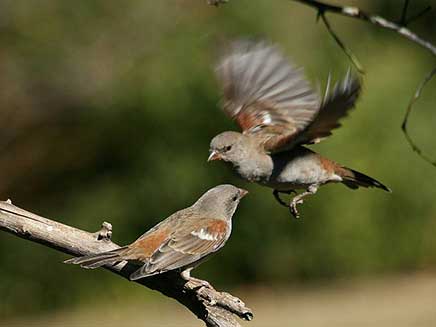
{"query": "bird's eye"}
(228, 148)
(235, 198)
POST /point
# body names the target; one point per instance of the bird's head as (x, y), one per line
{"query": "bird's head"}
(221, 201)
(228, 146)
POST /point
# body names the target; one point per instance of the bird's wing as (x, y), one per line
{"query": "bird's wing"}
(267, 96)
(336, 105)
(191, 241)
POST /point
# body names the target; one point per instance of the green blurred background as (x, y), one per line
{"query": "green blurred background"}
(107, 111)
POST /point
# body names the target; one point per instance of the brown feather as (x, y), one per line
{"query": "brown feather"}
(186, 246)
(266, 95)
(336, 106)
(143, 248)
(329, 165)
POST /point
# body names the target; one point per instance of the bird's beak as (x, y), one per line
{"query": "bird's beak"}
(243, 192)
(214, 155)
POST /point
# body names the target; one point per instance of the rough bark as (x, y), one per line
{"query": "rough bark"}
(217, 309)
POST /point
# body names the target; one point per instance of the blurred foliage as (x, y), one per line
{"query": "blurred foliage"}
(108, 109)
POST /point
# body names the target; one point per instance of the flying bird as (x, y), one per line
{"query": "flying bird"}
(181, 241)
(278, 112)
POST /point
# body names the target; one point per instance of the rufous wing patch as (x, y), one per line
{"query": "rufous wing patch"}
(213, 231)
(246, 120)
(328, 165)
(143, 248)
(217, 226)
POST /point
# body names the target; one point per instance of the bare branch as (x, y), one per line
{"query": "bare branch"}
(216, 309)
(406, 118)
(357, 13)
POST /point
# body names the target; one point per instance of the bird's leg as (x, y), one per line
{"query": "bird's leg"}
(277, 197)
(192, 282)
(276, 194)
(298, 199)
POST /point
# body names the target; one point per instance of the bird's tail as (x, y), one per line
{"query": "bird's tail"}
(353, 179)
(97, 260)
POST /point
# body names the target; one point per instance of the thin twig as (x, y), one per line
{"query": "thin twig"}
(406, 118)
(342, 45)
(418, 15)
(403, 19)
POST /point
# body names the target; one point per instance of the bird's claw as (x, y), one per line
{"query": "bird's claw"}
(293, 207)
(203, 283)
(196, 283)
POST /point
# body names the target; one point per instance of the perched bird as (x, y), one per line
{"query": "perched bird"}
(180, 242)
(278, 112)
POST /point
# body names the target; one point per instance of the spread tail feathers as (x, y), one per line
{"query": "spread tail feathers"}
(353, 179)
(97, 260)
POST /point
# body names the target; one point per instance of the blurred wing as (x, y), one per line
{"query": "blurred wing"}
(336, 105)
(186, 246)
(265, 95)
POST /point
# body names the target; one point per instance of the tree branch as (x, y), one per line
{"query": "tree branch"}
(216, 309)
(357, 13)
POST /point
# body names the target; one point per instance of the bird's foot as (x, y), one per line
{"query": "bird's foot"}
(193, 283)
(293, 207)
(196, 283)
(299, 199)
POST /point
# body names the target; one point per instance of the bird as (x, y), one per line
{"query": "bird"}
(278, 113)
(180, 242)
